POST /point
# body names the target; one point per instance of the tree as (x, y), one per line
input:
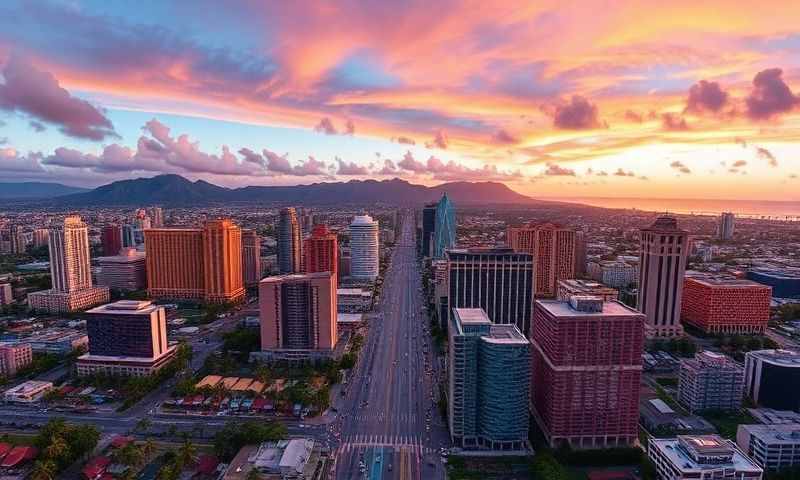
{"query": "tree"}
(235, 435)
(142, 425)
(148, 449)
(58, 449)
(186, 454)
(253, 474)
(44, 470)
(129, 455)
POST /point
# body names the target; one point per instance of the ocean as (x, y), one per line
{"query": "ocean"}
(743, 208)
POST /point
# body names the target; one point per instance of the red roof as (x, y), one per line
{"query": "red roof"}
(96, 467)
(67, 389)
(259, 403)
(120, 441)
(4, 448)
(206, 464)
(18, 455)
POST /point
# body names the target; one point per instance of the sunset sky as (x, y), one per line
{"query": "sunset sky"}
(677, 99)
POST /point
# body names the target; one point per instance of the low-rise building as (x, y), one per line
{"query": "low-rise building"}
(55, 301)
(772, 378)
(729, 306)
(14, 357)
(703, 457)
(294, 459)
(6, 294)
(353, 300)
(613, 273)
(773, 447)
(710, 381)
(125, 271)
(28, 392)
(59, 341)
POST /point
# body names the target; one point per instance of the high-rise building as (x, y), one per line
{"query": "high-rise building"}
(587, 367)
(662, 263)
(298, 316)
(251, 257)
(726, 226)
(553, 250)
(772, 379)
(156, 215)
(444, 232)
(428, 228)
(17, 238)
(710, 381)
(41, 237)
(321, 251)
(498, 280)
(14, 357)
(128, 236)
(125, 271)
(111, 239)
(724, 306)
(195, 264)
(128, 337)
(70, 271)
(580, 254)
(289, 242)
(705, 456)
(488, 383)
(364, 248)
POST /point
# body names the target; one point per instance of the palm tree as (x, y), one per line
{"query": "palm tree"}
(253, 474)
(57, 449)
(148, 448)
(43, 470)
(187, 453)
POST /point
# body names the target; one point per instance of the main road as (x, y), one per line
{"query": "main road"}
(388, 422)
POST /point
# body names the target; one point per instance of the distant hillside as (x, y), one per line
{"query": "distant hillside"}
(31, 190)
(176, 190)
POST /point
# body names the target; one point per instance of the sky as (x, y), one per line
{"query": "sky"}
(678, 99)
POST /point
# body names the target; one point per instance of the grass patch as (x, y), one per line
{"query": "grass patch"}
(727, 422)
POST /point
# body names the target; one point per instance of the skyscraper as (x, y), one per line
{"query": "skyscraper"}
(41, 237)
(321, 251)
(364, 248)
(128, 236)
(444, 232)
(17, 238)
(156, 215)
(587, 365)
(498, 280)
(111, 239)
(70, 270)
(126, 271)
(298, 316)
(195, 264)
(128, 337)
(488, 383)
(251, 257)
(289, 238)
(662, 263)
(553, 250)
(428, 228)
(726, 226)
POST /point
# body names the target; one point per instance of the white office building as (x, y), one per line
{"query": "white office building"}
(773, 447)
(364, 248)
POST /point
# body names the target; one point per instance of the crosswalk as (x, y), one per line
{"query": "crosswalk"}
(409, 442)
(382, 417)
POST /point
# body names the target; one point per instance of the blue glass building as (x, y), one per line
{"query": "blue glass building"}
(444, 232)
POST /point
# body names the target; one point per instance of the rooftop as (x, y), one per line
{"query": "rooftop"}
(680, 453)
(666, 224)
(559, 308)
(727, 282)
(507, 334)
(785, 358)
(472, 316)
(787, 433)
(126, 307)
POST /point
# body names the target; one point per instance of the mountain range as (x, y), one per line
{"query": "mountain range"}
(36, 190)
(177, 190)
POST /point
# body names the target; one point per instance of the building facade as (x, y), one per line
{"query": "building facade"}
(364, 248)
(701, 457)
(111, 240)
(6, 294)
(488, 383)
(662, 263)
(202, 264)
(553, 250)
(70, 271)
(570, 288)
(298, 316)
(289, 242)
(772, 379)
(710, 381)
(726, 226)
(444, 231)
(127, 337)
(428, 228)
(321, 251)
(726, 306)
(498, 280)
(251, 257)
(612, 273)
(125, 271)
(13, 357)
(772, 447)
(587, 366)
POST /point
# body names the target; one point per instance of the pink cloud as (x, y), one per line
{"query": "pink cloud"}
(350, 168)
(554, 170)
(771, 96)
(409, 163)
(673, 122)
(706, 96)
(38, 94)
(577, 114)
(440, 140)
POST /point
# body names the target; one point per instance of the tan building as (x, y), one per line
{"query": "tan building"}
(298, 316)
(13, 357)
(553, 250)
(195, 264)
(251, 257)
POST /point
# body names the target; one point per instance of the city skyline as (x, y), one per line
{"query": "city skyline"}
(679, 101)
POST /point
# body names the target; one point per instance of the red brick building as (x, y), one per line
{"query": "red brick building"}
(111, 239)
(725, 306)
(587, 365)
